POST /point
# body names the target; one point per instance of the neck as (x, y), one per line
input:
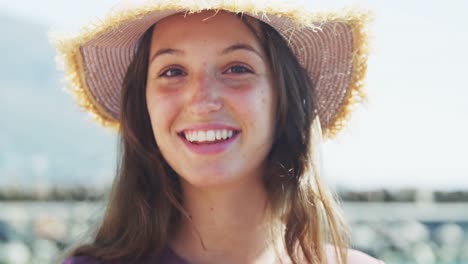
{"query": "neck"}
(229, 223)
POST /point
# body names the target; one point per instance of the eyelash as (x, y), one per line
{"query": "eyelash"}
(244, 70)
(169, 70)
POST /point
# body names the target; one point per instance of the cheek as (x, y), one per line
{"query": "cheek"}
(162, 111)
(266, 110)
(256, 106)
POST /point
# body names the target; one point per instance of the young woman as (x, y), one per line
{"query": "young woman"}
(219, 109)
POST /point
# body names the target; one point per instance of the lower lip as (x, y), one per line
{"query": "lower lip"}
(210, 149)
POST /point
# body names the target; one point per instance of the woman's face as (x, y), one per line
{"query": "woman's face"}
(210, 98)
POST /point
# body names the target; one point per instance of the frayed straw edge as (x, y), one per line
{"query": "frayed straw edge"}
(356, 94)
(69, 50)
(70, 55)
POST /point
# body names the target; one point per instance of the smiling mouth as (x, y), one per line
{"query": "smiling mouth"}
(208, 137)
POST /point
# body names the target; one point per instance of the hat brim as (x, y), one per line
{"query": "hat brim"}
(332, 47)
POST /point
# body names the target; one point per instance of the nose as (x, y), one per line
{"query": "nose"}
(205, 94)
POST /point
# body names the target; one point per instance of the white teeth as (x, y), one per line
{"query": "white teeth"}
(188, 136)
(208, 136)
(201, 136)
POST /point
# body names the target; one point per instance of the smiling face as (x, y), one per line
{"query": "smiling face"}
(210, 98)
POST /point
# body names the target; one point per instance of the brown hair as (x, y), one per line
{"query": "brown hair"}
(145, 202)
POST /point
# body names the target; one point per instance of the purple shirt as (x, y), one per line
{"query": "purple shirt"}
(167, 257)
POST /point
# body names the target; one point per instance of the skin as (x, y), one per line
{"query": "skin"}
(196, 83)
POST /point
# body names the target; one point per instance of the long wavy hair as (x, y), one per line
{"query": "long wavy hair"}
(144, 206)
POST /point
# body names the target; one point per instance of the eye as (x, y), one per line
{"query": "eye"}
(238, 69)
(172, 72)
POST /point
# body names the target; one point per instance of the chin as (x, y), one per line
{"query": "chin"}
(210, 181)
(211, 178)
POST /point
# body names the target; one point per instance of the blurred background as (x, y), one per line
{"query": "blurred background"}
(400, 168)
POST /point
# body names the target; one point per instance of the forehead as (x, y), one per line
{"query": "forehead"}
(205, 26)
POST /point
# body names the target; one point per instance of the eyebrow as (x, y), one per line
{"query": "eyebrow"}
(232, 48)
(166, 51)
(241, 46)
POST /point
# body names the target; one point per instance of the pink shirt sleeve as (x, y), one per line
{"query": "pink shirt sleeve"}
(354, 257)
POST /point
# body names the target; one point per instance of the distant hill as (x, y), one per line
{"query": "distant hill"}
(44, 137)
(26, 53)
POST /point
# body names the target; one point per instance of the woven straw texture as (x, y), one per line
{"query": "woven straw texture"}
(332, 47)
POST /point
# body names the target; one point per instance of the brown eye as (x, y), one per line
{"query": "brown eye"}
(172, 72)
(238, 69)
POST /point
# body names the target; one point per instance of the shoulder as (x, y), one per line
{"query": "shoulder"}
(81, 260)
(354, 257)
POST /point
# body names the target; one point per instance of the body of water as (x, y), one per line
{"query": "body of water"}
(400, 233)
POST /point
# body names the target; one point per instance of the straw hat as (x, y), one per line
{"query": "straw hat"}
(331, 46)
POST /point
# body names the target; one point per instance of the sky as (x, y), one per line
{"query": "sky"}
(412, 132)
